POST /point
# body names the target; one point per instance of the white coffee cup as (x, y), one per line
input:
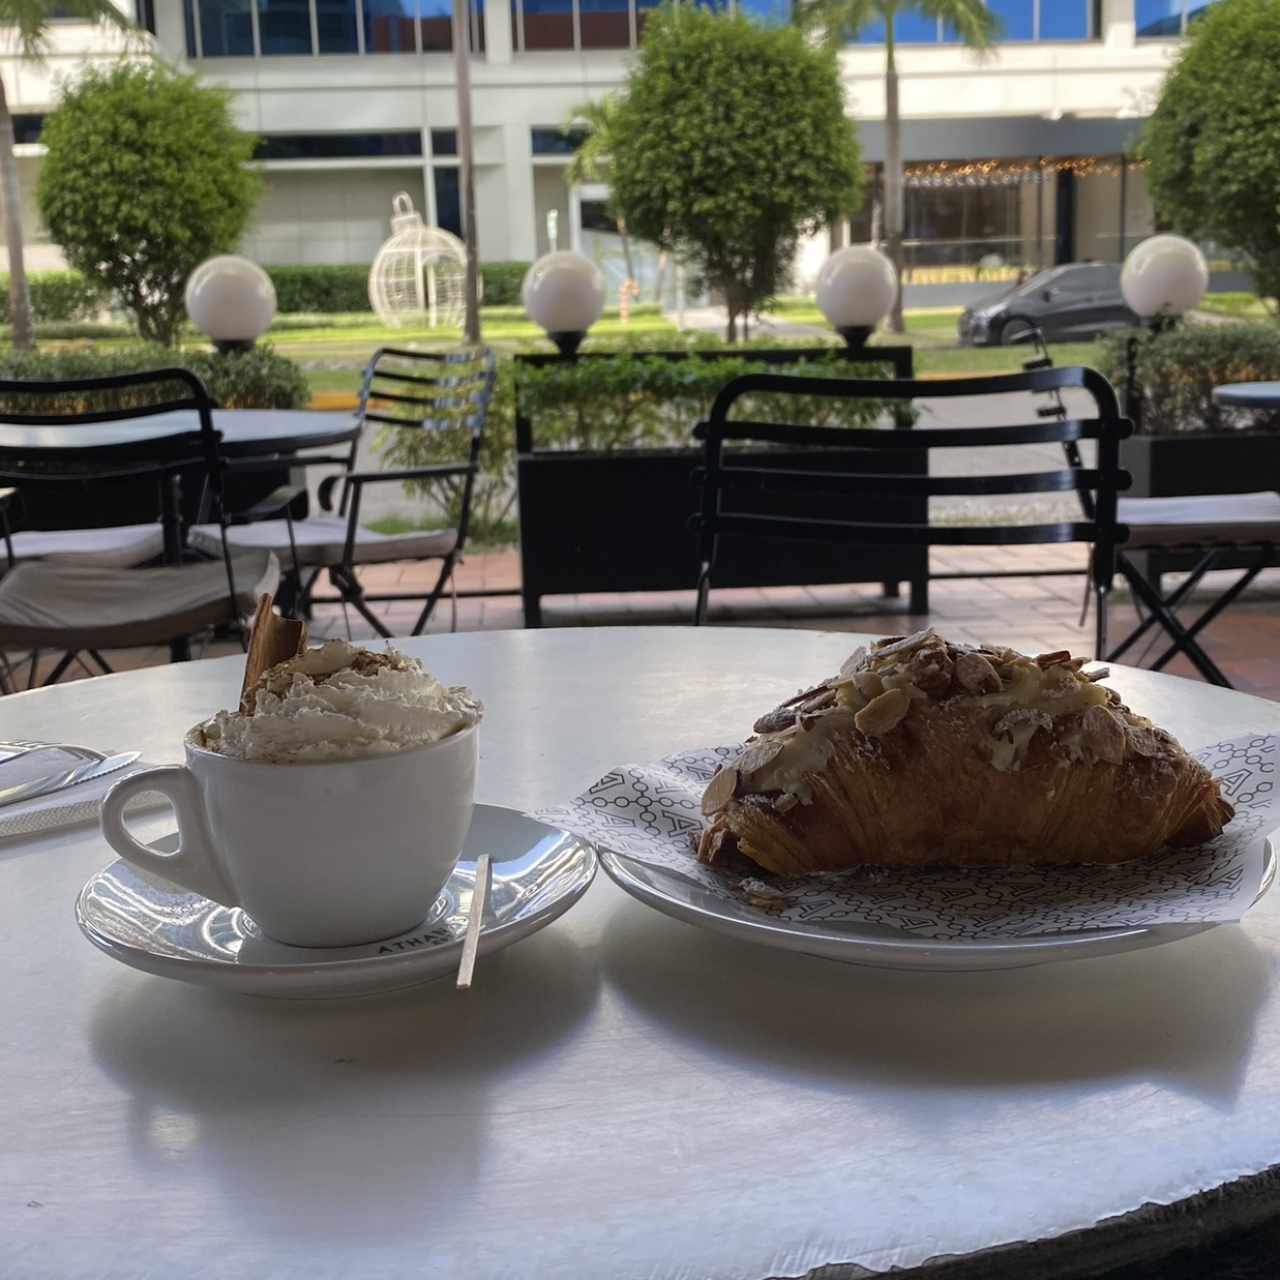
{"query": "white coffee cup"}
(330, 854)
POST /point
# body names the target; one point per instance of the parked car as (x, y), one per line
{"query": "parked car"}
(1073, 302)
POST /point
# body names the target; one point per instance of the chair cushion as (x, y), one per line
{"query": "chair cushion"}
(1199, 520)
(321, 540)
(81, 607)
(120, 548)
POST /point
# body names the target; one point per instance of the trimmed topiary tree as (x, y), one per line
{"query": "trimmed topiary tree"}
(1213, 141)
(731, 143)
(144, 179)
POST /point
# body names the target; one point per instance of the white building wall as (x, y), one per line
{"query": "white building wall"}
(330, 215)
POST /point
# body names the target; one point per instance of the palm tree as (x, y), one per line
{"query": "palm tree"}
(466, 165)
(27, 23)
(975, 24)
(593, 160)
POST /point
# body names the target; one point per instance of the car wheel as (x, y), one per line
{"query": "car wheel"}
(1015, 332)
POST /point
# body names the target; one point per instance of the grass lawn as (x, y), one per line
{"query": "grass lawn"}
(1240, 306)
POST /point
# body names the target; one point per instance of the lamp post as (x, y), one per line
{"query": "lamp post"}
(855, 290)
(1163, 278)
(564, 293)
(231, 300)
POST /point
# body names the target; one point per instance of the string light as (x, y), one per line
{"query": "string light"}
(1008, 173)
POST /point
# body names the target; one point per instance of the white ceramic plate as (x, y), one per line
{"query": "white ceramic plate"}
(539, 872)
(878, 945)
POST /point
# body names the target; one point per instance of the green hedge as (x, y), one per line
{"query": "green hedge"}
(1179, 368)
(502, 281)
(56, 297)
(327, 290)
(256, 379)
(626, 400)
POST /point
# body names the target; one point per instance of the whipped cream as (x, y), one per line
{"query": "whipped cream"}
(340, 702)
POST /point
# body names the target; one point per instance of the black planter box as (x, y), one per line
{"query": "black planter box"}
(1218, 462)
(619, 521)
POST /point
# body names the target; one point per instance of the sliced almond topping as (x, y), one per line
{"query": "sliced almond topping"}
(757, 756)
(931, 670)
(1100, 674)
(1144, 741)
(775, 721)
(854, 662)
(1104, 735)
(1052, 659)
(720, 790)
(869, 684)
(976, 674)
(883, 714)
(903, 644)
(820, 701)
(786, 802)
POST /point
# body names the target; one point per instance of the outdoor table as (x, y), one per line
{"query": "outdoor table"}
(1248, 395)
(245, 432)
(621, 1095)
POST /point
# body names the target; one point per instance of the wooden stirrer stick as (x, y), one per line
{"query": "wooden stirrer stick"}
(274, 639)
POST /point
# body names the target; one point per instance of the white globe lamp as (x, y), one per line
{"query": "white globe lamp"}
(231, 300)
(564, 294)
(1164, 277)
(855, 290)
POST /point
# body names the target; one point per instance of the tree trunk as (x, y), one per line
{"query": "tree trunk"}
(659, 277)
(893, 202)
(24, 338)
(466, 162)
(626, 248)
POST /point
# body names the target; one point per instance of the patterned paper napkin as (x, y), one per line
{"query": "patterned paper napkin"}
(652, 813)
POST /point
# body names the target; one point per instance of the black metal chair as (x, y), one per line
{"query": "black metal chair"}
(448, 393)
(727, 472)
(1218, 530)
(81, 605)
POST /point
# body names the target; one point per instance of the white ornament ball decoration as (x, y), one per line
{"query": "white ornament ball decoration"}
(419, 276)
(231, 299)
(563, 292)
(856, 287)
(1164, 275)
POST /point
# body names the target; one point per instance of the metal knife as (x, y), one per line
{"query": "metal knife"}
(68, 778)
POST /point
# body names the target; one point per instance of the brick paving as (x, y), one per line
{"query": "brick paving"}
(1037, 613)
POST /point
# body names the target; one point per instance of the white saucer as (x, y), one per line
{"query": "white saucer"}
(539, 872)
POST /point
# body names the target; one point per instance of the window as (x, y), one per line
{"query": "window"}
(435, 25)
(548, 24)
(337, 23)
(1022, 20)
(1018, 16)
(554, 142)
(226, 29)
(338, 146)
(389, 26)
(448, 199)
(444, 142)
(1164, 19)
(284, 26)
(26, 128)
(605, 24)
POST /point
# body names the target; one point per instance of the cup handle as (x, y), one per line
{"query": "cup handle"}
(196, 864)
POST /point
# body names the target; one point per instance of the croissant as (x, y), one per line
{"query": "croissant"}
(922, 752)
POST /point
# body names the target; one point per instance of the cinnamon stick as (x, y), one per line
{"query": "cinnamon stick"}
(274, 639)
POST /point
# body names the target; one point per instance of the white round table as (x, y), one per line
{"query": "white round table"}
(621, 1095)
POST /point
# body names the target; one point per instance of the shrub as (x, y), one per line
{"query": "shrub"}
(1178, 369)
(326, 290)
(255, 379)
(321, 289)
(56, 297)
(145, 177)
(1213, 141)
(625, 400)
(502, 281)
